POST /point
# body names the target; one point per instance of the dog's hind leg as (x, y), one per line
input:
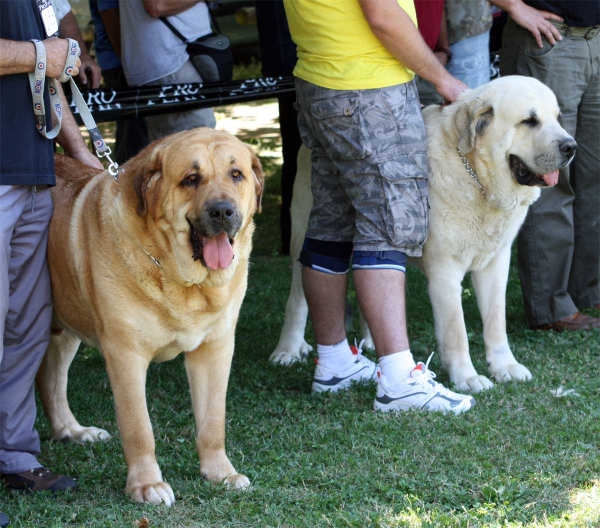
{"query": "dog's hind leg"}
(445, 292)
(365, 331)
(52, 381)
(490, 288)
(292, 346)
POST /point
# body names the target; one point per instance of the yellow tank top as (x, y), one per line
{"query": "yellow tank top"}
(337, 49)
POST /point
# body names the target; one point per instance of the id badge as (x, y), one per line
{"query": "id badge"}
(48, 17)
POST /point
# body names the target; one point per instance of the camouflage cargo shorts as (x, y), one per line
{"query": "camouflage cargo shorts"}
(369, 166)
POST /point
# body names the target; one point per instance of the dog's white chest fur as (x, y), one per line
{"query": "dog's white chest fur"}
(468, 233)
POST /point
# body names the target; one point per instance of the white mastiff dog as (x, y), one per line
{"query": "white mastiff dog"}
(489, 154)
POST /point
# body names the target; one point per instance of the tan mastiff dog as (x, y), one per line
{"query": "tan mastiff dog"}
(490, 153)
(146, 268)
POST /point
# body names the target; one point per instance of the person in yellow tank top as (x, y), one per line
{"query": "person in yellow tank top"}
(337, 49)
(362, 44)
(359, 113)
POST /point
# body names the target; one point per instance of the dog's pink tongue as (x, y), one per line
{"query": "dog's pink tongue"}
(217, 251)
(551, 178)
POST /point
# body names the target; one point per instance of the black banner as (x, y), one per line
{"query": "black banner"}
(112, 105)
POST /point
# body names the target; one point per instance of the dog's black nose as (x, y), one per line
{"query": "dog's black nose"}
(568, 147)
(221, 211)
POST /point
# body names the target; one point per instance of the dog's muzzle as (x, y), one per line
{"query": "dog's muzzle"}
(212, 234)
(525, 176)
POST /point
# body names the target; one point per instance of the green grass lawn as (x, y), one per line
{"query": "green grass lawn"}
(521, 457)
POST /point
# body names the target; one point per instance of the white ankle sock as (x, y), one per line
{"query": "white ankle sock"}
(396, 367)
(335, 357)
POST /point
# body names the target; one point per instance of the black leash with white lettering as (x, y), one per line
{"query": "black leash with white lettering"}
(102, 149)
(37, 80)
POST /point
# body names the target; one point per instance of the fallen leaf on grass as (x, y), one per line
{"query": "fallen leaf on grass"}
(561, 392)
(144, 523)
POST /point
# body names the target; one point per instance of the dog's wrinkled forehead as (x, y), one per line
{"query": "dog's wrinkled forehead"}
(532, 104)
(210, 158)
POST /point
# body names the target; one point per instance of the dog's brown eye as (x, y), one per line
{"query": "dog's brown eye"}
(236, 174)
(191, 180)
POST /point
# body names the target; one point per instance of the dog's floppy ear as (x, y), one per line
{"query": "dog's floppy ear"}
(145, 171)
(259, 180)
(471, 120)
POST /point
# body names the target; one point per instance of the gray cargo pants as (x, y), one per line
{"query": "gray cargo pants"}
(25, 318)
(162, 125)
(559, 244)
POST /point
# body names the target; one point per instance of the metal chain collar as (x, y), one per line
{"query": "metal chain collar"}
(469, 169)
(154, 259)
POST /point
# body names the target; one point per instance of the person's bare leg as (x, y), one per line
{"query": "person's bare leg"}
(338, 365)
(402, 385)
(326, 298)
(381, 296)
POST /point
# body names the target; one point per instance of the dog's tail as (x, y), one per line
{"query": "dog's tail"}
(72, 170)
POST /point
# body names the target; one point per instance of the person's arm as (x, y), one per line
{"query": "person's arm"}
(16, 57)
(70, 137)
(534, 20)
(112, 26)
(20, 57)
(89, 72)
(159, 8)
(399, 35)
(61, 8)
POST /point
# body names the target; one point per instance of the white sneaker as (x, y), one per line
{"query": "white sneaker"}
(420, 392)
(359, 370)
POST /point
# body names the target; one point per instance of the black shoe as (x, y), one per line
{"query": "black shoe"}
(39, 479)
(4, 520)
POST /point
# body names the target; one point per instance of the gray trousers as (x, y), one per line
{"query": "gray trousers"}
(165, 124)
(559, 244)
(25, 318)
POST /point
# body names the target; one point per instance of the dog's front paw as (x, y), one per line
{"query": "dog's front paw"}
(216, 468)
(237, 481)
(285, 355)
(152, 493)
(473, 384)
(78, 433)
(512, 372)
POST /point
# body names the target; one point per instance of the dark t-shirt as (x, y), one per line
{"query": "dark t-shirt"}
(105, 54)
(26, 157)
(579, 13)
(277, 50)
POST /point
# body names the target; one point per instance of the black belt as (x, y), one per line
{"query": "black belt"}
(575, 31)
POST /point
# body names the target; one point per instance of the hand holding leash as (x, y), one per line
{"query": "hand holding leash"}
(56, 55)
(63, 73)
